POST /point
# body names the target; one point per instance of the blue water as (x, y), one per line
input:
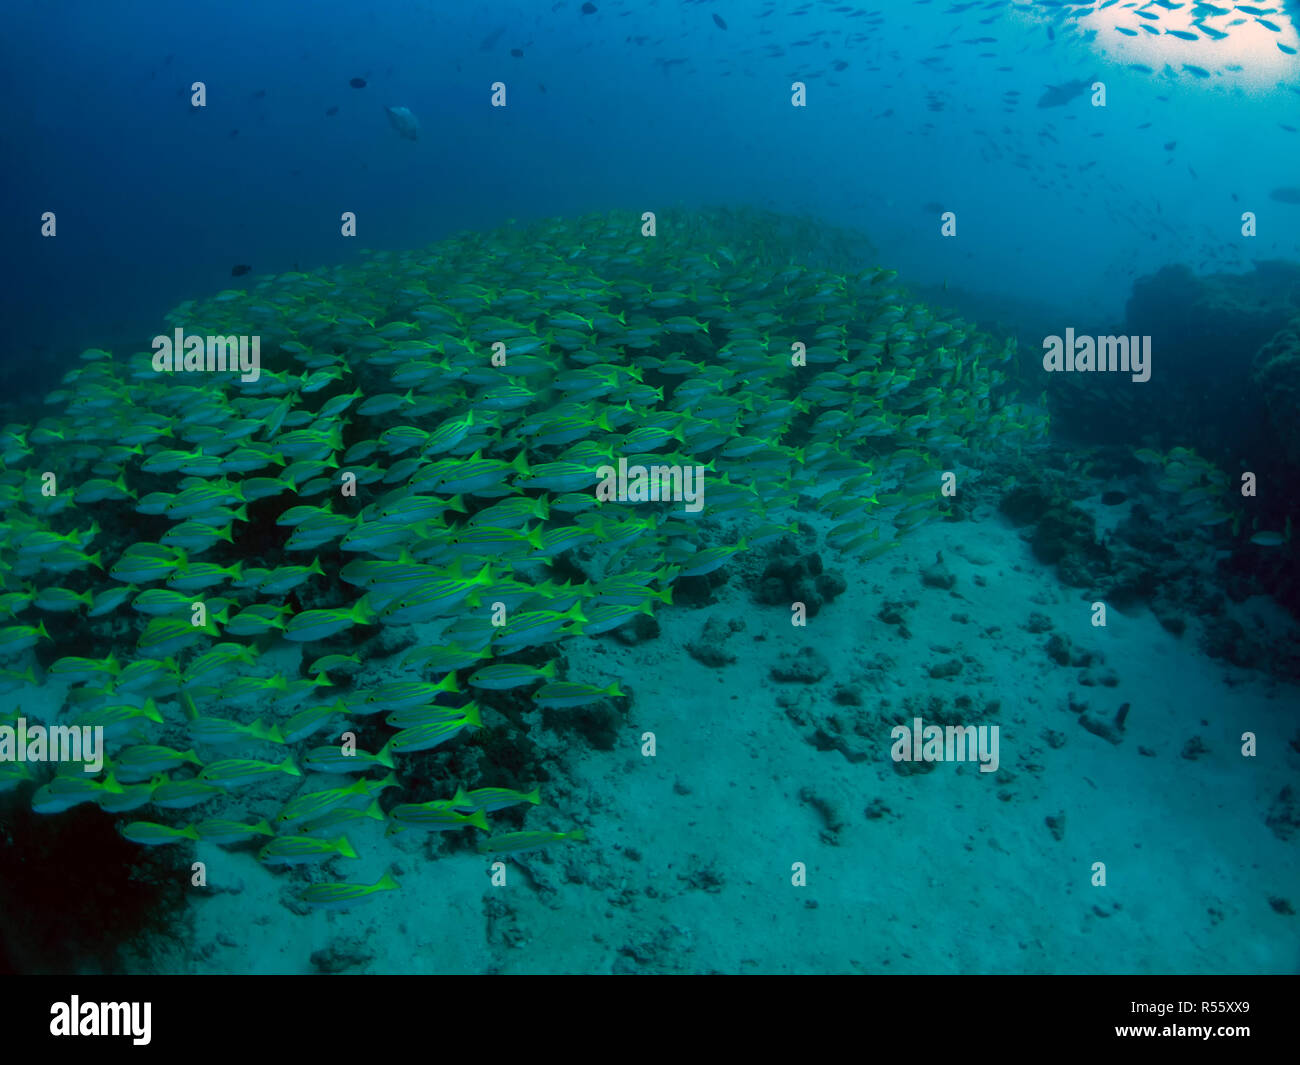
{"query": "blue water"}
(156, 200)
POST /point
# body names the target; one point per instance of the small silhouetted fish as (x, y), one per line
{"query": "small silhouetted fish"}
(932, 208)
(720, 24)
(358, 83)
(840, 64)
(406, 124)
(234, 133)
(1051, 34)
(1171, 145)
(259, 94)
(518, 53)
(1286, 194)
(240, 270)
(1060, 95)
(541, 86)
(486, 44)
(332, 111)
(588, 9)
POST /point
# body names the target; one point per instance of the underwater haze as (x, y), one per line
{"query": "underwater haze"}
(672, 487)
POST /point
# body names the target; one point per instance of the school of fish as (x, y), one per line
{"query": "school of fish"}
(210, 565)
